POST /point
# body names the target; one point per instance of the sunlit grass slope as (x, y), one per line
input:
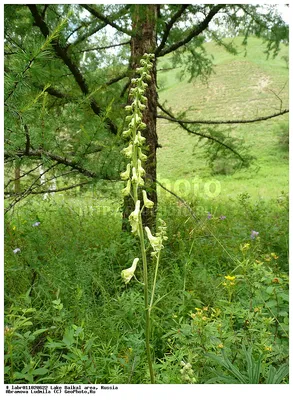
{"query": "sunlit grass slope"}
(244, 86)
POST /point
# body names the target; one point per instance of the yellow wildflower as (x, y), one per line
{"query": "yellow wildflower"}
(274, 255)
(220, 346)
(230, 278)
(244, 246)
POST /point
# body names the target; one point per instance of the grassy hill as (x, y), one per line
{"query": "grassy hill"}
(244, 86)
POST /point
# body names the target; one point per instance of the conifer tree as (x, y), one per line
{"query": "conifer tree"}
(68, 70)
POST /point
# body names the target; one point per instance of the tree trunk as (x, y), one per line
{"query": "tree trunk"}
(17, 178)
(144, 19)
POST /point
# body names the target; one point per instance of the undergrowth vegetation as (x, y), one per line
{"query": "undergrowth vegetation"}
(221, 311)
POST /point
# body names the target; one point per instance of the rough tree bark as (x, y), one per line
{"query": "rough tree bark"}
(144, 19)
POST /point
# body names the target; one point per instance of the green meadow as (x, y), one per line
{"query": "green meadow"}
(221, 306)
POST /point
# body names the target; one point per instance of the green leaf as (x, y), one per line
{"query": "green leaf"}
(270, 289)
(55, 345)
(39, 331)
(40, 371)
(18, 375)
(68, 337)
(284, 296)
(276, 376)
(271, 303)
(6, 369)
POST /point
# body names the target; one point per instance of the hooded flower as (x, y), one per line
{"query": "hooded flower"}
(141, 155)
(139, 139)
(141, 171)
(134, 175)
(125, 175)
(147, 202)
(126, 190)
(155, 241)
(134, 218)
(127, 274)
(128, 151)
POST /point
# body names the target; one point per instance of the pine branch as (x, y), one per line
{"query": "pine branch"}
(61, 52)
(74, 31)
(25, 193)
(60, 160)
(104, 47)
(105, 19)
(23, 175)
(180, 199)
(85, 36)
(173, 119)
(56, 93)
(169, 26)
(10, 194)
(235, 121)
(195, 32)
(117, 78)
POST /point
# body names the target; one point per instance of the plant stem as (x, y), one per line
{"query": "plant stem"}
(146, 303)
(154, 284)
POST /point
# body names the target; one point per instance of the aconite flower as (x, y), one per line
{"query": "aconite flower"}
(126, 190)
(147, 202)
(128, 273)
(134, 175)
(141, 155)
(128, 151)
(125, 175)
(141, 171)
(134, 218)
(155, 241)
